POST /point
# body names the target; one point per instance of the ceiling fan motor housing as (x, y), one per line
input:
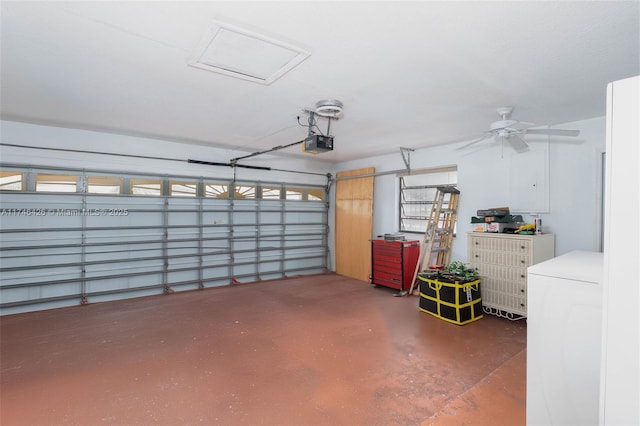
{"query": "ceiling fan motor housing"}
(502, 124)
(505, 112)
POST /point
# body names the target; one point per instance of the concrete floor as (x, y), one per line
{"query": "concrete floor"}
(321, 350)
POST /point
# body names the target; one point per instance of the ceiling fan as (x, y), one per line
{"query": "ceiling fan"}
(512, 131)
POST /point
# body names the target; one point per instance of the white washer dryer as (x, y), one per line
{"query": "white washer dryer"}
(564, 321)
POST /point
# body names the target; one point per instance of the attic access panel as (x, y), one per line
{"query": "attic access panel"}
(230, 50)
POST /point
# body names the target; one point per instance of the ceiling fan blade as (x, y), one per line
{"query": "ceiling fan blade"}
(517, 143)
(553, 132)
(473, 142)
(522, 125)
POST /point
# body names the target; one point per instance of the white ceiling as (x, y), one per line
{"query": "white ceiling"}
(410, 74)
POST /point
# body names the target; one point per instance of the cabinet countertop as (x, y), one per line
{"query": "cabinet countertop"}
(503, 235)
(586, 266)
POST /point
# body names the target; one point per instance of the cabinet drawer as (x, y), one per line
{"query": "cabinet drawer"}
(387, 259)
(498, 244)
(388, 254)
(508, 259)
(518, 289)
(512, 275)
(380, 275)
(388, 267)
(386, 248)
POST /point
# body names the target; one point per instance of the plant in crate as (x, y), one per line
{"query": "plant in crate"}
(455, 271)
(451, 293)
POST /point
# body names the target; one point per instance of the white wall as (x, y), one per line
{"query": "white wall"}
(483, 174)
(484, 181)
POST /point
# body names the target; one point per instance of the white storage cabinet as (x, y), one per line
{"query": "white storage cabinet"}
(502, 261)
(563, 340)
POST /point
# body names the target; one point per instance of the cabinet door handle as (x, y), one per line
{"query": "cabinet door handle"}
(477, 243)
(522, 247)
(521, 276)
(522, 261)
(477, 256)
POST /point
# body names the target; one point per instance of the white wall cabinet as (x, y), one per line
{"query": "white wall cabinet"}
(502, 261)
(529, 181)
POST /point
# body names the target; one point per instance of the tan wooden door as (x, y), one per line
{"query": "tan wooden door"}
(354, 224)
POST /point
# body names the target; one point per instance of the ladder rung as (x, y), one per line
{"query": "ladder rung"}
(440, 249)
(443, 230)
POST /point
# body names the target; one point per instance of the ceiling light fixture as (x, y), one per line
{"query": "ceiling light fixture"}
(330, 108)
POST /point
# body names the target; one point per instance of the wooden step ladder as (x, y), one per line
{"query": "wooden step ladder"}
(435, 248)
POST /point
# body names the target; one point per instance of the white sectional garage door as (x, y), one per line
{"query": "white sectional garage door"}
(62, 249)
